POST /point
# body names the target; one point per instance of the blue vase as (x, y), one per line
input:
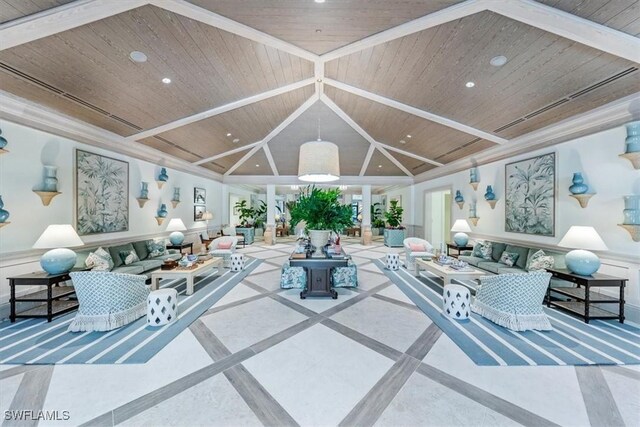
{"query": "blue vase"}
(163, 175)
(578, 187)
(633, 137)
(473, 175)
(50, 178)
(162, 212)
(489, 195)
(176, 194)
(631, 210)
(3, 142)
(4, 214)
(144, 192)
(458, 197)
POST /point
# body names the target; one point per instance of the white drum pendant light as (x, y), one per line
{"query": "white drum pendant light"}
(319, 161)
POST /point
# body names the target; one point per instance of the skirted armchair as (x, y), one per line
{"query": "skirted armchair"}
(410, 255)
(514, 301)
(107, 300)
(223, 247)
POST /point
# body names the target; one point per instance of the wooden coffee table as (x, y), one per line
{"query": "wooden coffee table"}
(447, 273)
(188, 274)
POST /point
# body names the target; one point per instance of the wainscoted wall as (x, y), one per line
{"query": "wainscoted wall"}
(21, 171)
(608, 175)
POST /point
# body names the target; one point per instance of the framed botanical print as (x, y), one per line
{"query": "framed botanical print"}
(530, 195)
(199, 195)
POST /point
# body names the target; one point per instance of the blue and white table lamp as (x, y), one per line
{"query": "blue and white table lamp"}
(461, 227)
(58, 238)
(177, 226)
(583, 240)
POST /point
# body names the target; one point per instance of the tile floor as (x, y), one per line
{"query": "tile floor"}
(262, 356)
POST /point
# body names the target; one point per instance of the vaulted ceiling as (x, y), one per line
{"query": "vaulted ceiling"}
(251, 80)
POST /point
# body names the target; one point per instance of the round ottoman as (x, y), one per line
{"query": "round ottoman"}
(237, 262)
(457, 299)
(393, 261)
(162, 307)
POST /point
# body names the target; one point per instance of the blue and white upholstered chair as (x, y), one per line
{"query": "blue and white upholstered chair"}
(410, 255)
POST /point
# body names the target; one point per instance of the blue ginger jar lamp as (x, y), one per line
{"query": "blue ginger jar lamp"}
(4, 214)
(578, 187)
(489, 195)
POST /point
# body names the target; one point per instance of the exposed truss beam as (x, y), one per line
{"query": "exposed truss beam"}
(267, 153)
(569, 26)
(344, 116)
(197, 13)
(409, 154)
(301, 109)
(226, 153)
(221, 109)
(367, 160)
(415, 111)
(61, 18)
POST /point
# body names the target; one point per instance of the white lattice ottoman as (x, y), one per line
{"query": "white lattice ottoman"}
(237, 262)
(162, 307)
(393, 261)
(457, 299)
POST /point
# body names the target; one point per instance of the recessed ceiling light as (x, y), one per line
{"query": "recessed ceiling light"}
(318, 30)
(319, 1)
(409, 136)
(257, 165)
(236, 140)
(166, 80)
(229, 134)
(498, 61)
(379, 166)
(469, 84)
(402, 141)
(137, 56)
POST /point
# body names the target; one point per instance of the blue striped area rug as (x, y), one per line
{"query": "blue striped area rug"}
(572, 342)
(36, 341)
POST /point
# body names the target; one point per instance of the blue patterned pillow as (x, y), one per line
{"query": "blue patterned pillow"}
(100, 260)
(156, 248)
(345, 277)
(293, 278)
(129, 257)
(482, 250)
(540, 261)
(509, 258)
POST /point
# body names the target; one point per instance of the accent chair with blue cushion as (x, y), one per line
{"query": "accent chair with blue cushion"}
(514, 301)
(410, 256)
(107, 300)
(225, 254)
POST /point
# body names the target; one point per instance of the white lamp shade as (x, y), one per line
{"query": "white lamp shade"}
(579, 237)
(207, 216)
(319, 161)
(461, 225)
(176, 224)
(58, 236)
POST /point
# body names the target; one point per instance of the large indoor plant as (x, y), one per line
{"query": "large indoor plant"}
(394, 234)
(322, 212)
(377, 221)
(246, 214)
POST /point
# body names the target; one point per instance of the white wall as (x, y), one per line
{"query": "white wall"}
(21, 171)
(608, 175)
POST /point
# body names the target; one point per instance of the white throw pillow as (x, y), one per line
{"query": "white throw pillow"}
(100, 260)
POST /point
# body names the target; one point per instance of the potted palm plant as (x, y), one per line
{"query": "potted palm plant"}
(322, 213)
(395, 233)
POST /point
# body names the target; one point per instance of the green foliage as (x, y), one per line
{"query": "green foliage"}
(394, 215)
(260, 214)
(247, 214)
(377, 220)
(320, 209)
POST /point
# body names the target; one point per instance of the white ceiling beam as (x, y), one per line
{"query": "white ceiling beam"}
(409, 154)
(367, 159)
(61, 18)
(221, 109)
(267, 153)
(443, 16)
(415, 111)
(344, 116)
(226, 153)
(301, 109)
(318, 72)
(570, 26)
(205, 16)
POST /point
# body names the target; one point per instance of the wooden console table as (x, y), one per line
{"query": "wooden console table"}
(51, 297)
(181, 246)
(319, 274)
(582, 297)
(457, 248)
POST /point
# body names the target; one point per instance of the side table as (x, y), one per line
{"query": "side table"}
(582, 297)
(457, 248)
(182, 246)
(51, 297)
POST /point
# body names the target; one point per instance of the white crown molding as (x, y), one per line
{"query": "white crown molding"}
(21, 111)
(221, 109)
(293, 180)
(61, 18)
(598, 119)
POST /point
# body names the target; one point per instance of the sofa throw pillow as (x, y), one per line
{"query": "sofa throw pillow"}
(156, 248)
(540, 261)
(416, 247)
(508, 258)
(129, 257)
(225, 245)
(100, 260)
(482, 250)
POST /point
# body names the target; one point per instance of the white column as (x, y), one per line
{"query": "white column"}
(224, 215)
(366, 205)
(271, 211)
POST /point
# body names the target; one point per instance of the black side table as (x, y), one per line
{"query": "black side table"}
(457, 248)
(582, 297)
(182, 246)
(51, 297)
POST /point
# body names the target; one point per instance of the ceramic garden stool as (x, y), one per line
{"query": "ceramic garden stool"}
(393, 261)
(457, 301)
(162, 307)
(237, 262)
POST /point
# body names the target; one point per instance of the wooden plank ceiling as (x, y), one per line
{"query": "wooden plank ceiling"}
(14, 9)
(380, 165)
(340, 22)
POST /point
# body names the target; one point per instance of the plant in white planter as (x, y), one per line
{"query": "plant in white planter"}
(322, 212)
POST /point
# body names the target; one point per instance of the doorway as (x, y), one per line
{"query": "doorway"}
(437, 216)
